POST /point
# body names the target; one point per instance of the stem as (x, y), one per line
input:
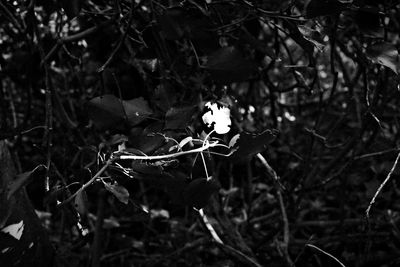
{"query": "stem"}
(97, 241)
(209, 227)
(173, 155)
(286, 232)
(381, 187)
(326, 253)
(97, 175)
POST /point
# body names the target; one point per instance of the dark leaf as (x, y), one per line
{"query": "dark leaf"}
(298, 37)
(249, 144)
(136, 110)
(257, 44)
(20, 181)
(72, 7)
(147, 140)
(170, 25)
(179, 118)
(117, 139)
(106, 111)
(55, 193)
(199, 191)
(118, 191)
(62, 113)
(144, 168)
(165, 96)
(227, 65)
(81, 202)
(200, 31)
(173, 184)
(316, 8)
(312, 36)
(369, 22)
(385, 54)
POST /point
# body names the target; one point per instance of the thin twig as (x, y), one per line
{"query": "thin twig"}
(11, 17)
(49, 126)
(381, 186)
(75, 37)
(49, 115)
(379, 153)
(238, 255)
(97, 241)
(326, 253)
(286, 232)
(209, 226)
(272, 14)
(121, 40)
(97, 175)
(167, 156)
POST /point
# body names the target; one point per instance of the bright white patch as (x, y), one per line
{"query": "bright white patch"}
(159, 213)
(31, 245)
(145, 208)
(84, 231)
(15, 230)
(5, 250)
(323, 74)
(220, 116)
(82, 43)
(289, 116)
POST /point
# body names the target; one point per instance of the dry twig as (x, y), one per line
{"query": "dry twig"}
(381, 187)
(286, 232)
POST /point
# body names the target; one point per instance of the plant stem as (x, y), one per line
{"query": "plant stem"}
(97, 175)
(173, 155)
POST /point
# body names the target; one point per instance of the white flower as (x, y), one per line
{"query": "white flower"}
(219, 116)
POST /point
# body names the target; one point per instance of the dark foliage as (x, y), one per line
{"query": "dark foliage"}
(206, 133)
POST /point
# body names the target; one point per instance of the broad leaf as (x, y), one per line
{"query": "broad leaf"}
(20, 181)
(385, 54)
(227, 65)
(165, 96)
(144, 168)
(170, 24)
(299, 38)
(136, 110)
(249, 144)
(369, 22)
(120, 192)
(199, 30)
(312, 36)
(199, 191)
(179, 118)
(106, 111)
(316, 8)
(117, 139)
(147, 140)
(81, 202)
(173, 183)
